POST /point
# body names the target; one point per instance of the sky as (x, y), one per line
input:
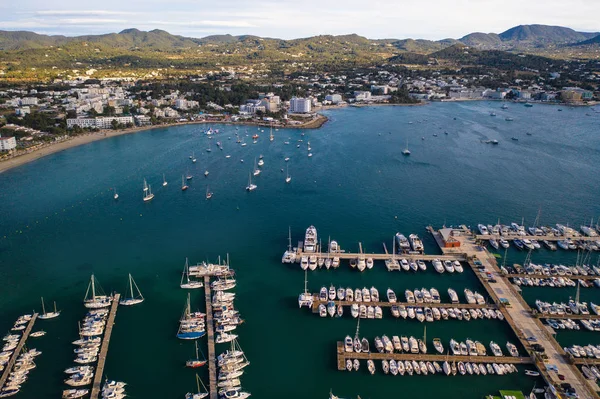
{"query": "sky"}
(375, 19)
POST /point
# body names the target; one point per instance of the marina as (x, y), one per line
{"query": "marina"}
(9, 366)
(98, 377)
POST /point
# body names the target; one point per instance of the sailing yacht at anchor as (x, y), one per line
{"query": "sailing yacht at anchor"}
(186, 283)
(48, 315)
(132, 300)
(95, 301)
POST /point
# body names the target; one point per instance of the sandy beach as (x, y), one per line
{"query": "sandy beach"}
(105, 134)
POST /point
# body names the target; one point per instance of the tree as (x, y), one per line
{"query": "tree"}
(114, 124)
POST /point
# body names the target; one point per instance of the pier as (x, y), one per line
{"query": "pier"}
(567, 316)
(517, 312)
(97, 384)
(210, 334)
(317, 302)
(342, 356)
(15, 355)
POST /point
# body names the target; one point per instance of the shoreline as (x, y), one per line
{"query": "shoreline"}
(87, 138)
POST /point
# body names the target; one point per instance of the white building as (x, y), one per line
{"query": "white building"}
(362, 95)
(333, 98)
(142, 120)
(7, 143)
(29, 101)
(300, 105)
(100, 123)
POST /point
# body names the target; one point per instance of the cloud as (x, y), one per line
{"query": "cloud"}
(80, 12)
(214, 24)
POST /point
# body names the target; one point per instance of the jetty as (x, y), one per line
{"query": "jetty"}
(15, 355)
(97, 384)
(342, 356)
(566, 316)
(375, 256)
(516, 311)
(210, 334)
(543, 276)
(317, 302)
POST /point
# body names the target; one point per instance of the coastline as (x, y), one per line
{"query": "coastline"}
(105, 134)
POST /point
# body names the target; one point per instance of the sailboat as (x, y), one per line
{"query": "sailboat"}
(48, 315)
(288, 178)
(188, 176)
(133, 299)
(198, 395)
(305, 299)
(208, 193)
(196, 362)
(116, 196)
(289, 256)
(193, 157)
(186, 283)
(406, 151)
(271, 137)
(183, 185)
(95, 301)
(208, 149)
(164, 180)
(147, 192)
(191, 326)
(250, 186)
(256, 170)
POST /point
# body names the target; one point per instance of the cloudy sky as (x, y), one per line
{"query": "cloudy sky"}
(428, 19)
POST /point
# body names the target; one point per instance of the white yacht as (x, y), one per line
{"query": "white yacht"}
(438, 266)
(95, 301)
(310, 239)
(133, 299)
(305, 298)
(416, 243)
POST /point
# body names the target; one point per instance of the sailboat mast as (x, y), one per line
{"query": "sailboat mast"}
(305, 283)
(43, 308)
(130, 285)
(289, 238)
(93, 289)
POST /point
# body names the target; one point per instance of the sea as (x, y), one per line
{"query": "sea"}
(59, 223)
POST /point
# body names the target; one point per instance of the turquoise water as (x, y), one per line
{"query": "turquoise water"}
(60, 223)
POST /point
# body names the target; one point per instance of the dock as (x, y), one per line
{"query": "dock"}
(517, 312)
(97, 384)
(210, 334)
(15, 355)
(342, 356)
(317, 302)
(567, 316)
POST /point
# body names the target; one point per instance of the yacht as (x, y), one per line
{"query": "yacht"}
(391, 295)
(416, 243)
(134, 299)
(438, 266)
(403, 244)
(449, 266)
(96, 301)
(453, 295)
(410, 297)
(496, 349)
(305, 298)
(48, 315)
(310, 239)
(483, 229)
(250, 186)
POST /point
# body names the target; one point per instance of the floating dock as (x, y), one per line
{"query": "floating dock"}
(342, 356)
(210, 334)
(97, 384)
(384, 256)
(15, 355)
(567, 316)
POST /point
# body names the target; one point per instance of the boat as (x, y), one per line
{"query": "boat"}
(95, 301)
(133, 299)
(437, 344)
(256, 171)
(416, 243)
(406, 151)
(310, 239)
(250, 186)
(305, 298)
(186, 283)
(512, 349)
(532, 373)
(393, 367)
(438, 266)
(164, 181)
(37, 334)
(288, 178)
(331, 308)
(391, 295)
(371, 366)
(453, 295)
(183, 185)
(195, 362)
(193, 157)
(204, 394)
(403, 244)
(148, 196)
(48, 315)
(74, 393)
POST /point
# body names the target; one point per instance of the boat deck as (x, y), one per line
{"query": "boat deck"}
(15, 355)
(210, 333)
(342, 356)
(97, 384)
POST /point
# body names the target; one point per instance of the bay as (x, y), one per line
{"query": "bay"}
(60, 223)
